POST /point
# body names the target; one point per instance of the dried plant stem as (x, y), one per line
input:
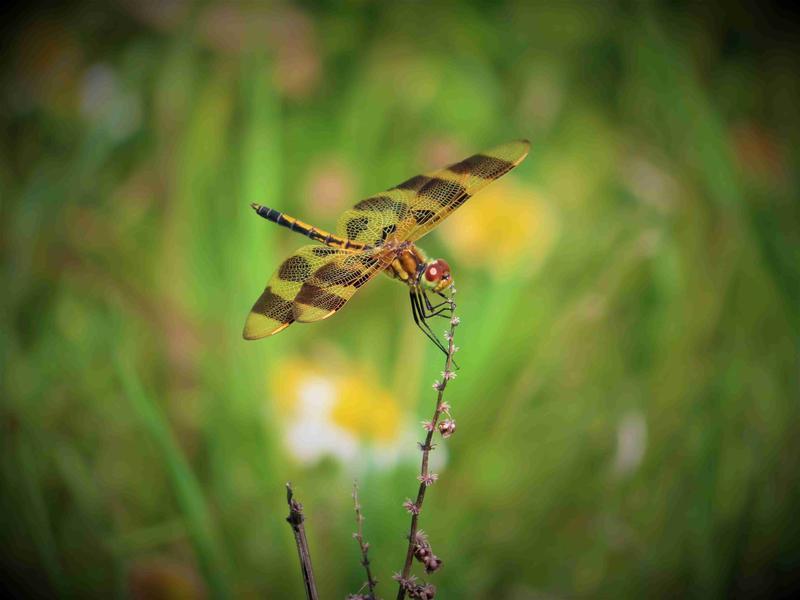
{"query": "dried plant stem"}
(295, 519)
(364, 546)
(425, 476)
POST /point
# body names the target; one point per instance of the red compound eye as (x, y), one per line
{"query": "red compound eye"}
(436, 270)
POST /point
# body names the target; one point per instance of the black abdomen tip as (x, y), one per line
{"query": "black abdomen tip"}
(265, 211)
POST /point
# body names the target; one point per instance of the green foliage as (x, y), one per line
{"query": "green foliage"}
(627, 402)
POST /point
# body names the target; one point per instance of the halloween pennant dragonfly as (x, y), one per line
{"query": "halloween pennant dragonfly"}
(376, 235)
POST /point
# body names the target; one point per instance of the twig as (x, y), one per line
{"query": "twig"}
(295, 519)
(417, 543)
(364, 546)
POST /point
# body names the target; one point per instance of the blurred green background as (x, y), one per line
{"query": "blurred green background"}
(627, 403)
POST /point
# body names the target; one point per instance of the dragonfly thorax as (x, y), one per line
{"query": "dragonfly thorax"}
(413, 268)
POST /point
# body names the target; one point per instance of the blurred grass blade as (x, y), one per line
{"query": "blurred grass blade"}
(669, 75)
(187, 490)
(38, 520)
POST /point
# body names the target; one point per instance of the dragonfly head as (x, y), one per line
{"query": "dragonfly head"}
(436, 275)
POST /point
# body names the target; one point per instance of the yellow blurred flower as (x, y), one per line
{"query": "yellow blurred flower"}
(334, 412)
(506, 227)
(365, 410)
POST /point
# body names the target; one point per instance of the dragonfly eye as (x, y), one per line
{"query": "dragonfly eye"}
(436, 271)
(432, 273)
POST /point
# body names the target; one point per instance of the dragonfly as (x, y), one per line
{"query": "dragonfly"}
(377, 235)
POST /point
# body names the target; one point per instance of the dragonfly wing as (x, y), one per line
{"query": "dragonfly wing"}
(414, 207)
(310, 285)
(333, 283)
(439, 193)
(375, 218)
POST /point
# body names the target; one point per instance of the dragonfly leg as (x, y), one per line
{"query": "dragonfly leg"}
(447, 311)
(443, 309)
(423, 316)
(446, 297)
(446, 300)
(419, 320)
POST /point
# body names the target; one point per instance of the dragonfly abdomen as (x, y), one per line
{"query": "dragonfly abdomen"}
(318, 235)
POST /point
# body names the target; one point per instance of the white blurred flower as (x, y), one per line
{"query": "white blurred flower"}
(631, 443)
(342, 413)
(311, 433)
(107, 104)
(651, 184)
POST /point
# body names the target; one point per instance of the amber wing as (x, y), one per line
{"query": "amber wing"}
(411, 209)
(310, 285)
